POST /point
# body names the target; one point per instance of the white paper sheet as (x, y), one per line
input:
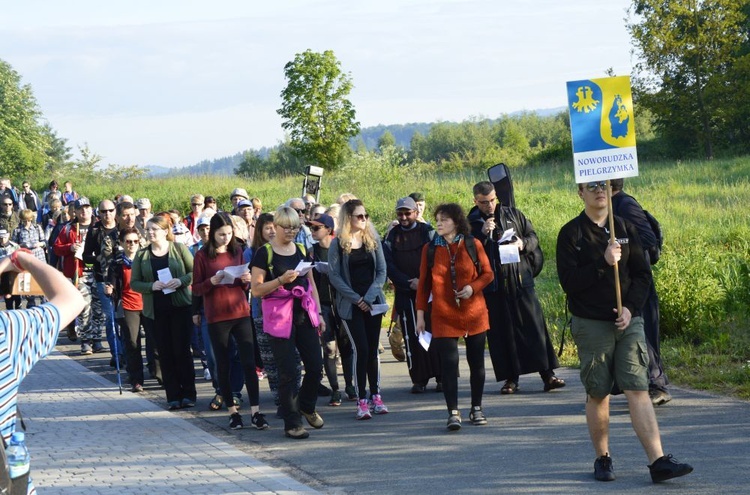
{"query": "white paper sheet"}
(232, 272)
(165, 276)
(507, 235)
(424, 339)
(509, 254)
(379, 309)
(303, 267)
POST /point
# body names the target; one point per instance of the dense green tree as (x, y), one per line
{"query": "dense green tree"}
(22, 139)
(58, 161)
(686, 50)
(387, 139)
(316, 110)
(252, 163)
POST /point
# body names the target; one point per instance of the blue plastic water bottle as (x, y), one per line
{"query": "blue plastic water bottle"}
(19, 460)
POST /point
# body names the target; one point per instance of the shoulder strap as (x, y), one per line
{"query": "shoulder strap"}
(471, 248)
(431, 254)
(269, 257)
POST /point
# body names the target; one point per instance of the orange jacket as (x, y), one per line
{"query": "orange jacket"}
(449, 320)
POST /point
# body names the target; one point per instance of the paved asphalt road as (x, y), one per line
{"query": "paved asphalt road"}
(535, 442)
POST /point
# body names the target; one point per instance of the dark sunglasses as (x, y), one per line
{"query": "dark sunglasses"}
(197, 204)
(131, 241)
(593, 186)
(404, 213)
(316, 228)
(102, 210)
(299, 210)
(361, 217)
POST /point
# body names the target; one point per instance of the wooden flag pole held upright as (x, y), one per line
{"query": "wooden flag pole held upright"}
(612, 240)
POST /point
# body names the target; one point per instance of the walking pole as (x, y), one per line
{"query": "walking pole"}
(116, 344)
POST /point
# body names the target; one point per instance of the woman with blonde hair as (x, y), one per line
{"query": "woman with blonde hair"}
(357, 271)
(168, 305)
(291, 320)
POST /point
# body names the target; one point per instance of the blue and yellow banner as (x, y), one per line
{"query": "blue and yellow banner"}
(602, 126)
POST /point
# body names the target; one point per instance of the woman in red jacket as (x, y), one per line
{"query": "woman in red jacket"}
(227, 312)
(455, 280)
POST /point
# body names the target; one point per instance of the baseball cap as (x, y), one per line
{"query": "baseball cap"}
(4, 233)
(238, 191)
(324, 220)
(203, 221)
(81, 202)
(143, 204)
(244, 202)
(406, 203)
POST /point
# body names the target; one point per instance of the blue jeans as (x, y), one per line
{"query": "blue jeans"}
(108, 312)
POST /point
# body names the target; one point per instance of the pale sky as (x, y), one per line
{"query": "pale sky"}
(173, 82)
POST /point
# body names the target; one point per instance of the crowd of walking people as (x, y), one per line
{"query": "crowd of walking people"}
(258, 295)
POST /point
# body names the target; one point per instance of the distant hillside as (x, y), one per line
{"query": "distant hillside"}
(369, 136)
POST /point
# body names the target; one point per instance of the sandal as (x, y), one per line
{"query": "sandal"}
(510, 387)
(553, 382)
(237, 403)
(216, 403)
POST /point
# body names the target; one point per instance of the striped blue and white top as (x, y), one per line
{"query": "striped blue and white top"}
(26, 336)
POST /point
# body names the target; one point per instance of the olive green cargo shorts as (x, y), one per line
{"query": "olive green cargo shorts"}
(608, 355)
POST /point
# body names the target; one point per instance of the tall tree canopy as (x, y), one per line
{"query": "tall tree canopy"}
(23, 141)
(316, 110)
(687, 51)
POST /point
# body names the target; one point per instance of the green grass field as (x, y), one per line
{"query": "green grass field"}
(703, 278)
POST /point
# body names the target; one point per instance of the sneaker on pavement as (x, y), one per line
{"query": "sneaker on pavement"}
(363, 410)
(235, 421)
(335, 398)
(98, 347)
(418, 389)
(173, 405)
(667, 467)
(351, 393)
(603, 469)
(377, 406)
(207, 374)
(137, 388)
(659, 396)
(313, 419)
(477, 417)
(86, 350)
(187, 403)
(454, 420)
(259, 421)
(297, 433)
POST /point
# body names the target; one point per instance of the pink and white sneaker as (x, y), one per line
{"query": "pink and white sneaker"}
(377, 406)
(363, 409)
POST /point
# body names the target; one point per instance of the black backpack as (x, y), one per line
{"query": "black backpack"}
(654, 252)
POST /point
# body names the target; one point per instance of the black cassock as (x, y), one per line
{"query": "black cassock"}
(518, 339)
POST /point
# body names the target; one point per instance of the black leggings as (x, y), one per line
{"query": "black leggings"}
(130, 329)
(242, 331)
(364, 333)
(447, 348)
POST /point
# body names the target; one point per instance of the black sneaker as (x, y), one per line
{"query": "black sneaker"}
(235, 421)
(454, 421)
(667, 467)
(477, 417)
(335, 398)
(351, 393)
(603, 469)
(259, 421)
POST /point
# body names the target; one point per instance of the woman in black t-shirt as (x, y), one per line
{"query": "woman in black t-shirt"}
(290, 317)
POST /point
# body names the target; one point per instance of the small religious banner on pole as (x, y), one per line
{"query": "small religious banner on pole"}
(603, 129)
(602, 126)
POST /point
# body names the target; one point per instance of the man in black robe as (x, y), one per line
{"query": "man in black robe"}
(518, 339)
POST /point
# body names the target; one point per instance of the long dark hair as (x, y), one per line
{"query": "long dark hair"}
(218, 221)
(455, 213)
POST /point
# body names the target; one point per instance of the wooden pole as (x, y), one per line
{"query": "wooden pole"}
(612, 240)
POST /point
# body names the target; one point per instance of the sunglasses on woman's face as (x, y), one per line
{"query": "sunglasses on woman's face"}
(316, 228)
(361, 217)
